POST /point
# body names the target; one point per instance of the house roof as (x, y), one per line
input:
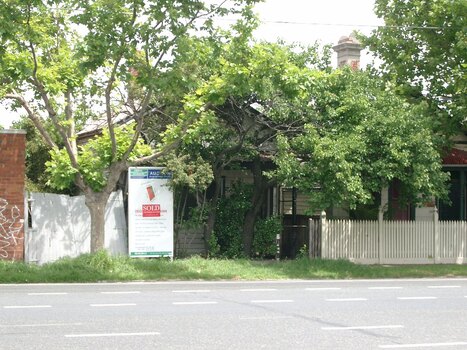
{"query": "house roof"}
(94, 127)
(455, 156)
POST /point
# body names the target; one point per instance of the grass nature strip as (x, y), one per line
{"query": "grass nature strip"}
(103, 267)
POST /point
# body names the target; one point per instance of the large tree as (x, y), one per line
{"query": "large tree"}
(71, 61)
(249, 88)
(342, 135)
(358, 137)
(423, 49)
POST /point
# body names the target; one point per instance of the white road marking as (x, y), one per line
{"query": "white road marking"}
(49, 293)
(440, 287)
(194, 302)
(259, 290)
(123, 292)
(26, 306)
(417, 298)
(324, 288)
(361, 327)
(264, 317)
(384, 288)
(90, 335)
(112, 305)
(421, 345)
(272, 301)
(348, 299)
(192, 291)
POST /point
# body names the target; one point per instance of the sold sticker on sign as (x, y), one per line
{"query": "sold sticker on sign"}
(151, 210)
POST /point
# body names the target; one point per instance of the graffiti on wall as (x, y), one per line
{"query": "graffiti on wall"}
(11, 225)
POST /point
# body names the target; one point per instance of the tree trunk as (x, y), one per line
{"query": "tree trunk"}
(261, 184)
(211, 220)
(96, 203)
(248, 230)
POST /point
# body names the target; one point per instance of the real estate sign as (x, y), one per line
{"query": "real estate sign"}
(150, 213)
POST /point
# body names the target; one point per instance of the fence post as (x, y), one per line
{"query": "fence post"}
(26, 228)
(436, 244)
(380, 235)
(324, 235)
(310, 237)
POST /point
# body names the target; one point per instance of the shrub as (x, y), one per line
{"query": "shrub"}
(230, 217)
(264, 240)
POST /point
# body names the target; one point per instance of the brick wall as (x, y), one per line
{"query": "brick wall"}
(12, 168)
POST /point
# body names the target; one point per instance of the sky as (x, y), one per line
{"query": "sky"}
(303, 21)
(306, 21)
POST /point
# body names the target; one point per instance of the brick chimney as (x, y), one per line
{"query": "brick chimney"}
(348, 52)
(12, 170)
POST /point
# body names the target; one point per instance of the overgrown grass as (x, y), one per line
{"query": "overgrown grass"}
(102, 267)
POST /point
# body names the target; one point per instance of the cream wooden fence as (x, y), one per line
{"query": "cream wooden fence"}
(395, 242)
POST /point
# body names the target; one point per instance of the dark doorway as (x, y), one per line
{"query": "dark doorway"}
(455, 208)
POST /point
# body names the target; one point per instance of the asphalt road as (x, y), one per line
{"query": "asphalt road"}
(376, 314)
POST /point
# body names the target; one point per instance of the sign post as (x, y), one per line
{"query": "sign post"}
(150, 213)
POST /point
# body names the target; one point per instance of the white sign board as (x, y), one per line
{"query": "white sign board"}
(150, 213)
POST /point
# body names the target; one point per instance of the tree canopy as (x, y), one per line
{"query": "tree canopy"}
(248, 88)
(423, 48)
(357, 137)
(338, 135)
(73, 61)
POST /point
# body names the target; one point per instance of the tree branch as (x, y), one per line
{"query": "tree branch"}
(48, 105)
(140, 115)
(71, 121)
(108, 106)
(34, 118)
(110, 83)
(159, 154)
(139, 124)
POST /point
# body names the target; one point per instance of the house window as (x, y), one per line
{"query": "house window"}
(455, 208)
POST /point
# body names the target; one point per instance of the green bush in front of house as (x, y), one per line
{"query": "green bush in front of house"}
(230, 216)
(264, 240)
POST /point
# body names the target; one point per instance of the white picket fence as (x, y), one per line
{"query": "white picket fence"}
(60, 225)
(395, 242)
